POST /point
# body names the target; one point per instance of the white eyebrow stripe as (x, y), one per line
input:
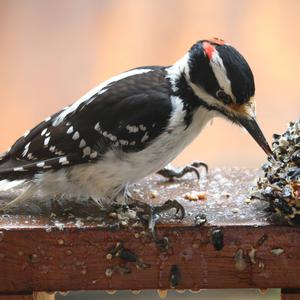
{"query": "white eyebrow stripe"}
(220, 72)
(89, 97)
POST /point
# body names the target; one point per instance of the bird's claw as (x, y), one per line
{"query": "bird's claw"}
(169, 205)
(190, 169)
(198, 164)
(149, 215)
(171, 173)
(157, 210)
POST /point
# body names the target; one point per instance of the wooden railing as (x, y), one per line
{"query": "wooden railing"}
(75, 246)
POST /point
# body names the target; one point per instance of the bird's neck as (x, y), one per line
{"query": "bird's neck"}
(179, 78)
(179, 70)
(193, 97)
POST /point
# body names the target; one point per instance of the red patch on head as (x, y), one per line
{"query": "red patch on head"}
(217, 41)
(208, 49)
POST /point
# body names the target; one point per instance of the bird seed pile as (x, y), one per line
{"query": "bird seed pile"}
(280, 185)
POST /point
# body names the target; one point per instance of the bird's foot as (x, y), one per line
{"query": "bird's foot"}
(149, 215)
(146, 214)
(156, 210)
(171, 173)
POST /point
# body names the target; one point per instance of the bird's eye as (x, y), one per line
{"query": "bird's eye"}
(221, 95)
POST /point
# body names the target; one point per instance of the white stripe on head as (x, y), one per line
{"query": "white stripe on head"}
(219, 70)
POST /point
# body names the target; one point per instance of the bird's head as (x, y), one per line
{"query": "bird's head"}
(220, 76)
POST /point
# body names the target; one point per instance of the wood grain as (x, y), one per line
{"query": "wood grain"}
(17, 297)
(72, 259)
(42, 252)
(290, 294)
(32, 296)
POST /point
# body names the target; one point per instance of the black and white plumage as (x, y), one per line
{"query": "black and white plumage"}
(132, 125)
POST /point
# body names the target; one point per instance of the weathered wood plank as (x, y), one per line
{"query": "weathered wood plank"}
(71, 250)
(290, 294)
(31, 296)
(76, 259)
(17, 297)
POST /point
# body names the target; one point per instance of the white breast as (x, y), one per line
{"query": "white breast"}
(116, 170)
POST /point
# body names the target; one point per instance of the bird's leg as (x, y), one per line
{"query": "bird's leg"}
(171, 172)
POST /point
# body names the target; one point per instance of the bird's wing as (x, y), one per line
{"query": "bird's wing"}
(126, 114)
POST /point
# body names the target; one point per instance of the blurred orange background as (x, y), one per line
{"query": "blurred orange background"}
(52, 52)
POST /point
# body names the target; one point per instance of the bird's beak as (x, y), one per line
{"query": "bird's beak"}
(252, 127)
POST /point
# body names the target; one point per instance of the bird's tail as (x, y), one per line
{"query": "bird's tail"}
(6, 184)
(11, 180)
(29, 191)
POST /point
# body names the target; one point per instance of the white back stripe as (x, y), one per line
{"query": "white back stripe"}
(95, 91)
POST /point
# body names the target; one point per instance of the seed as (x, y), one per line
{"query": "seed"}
(277, 251)
(240, 261)
(153, 194)
(69, 252)
(217, 239)
(109, 272)
(109, 256)
(261, 240)
(174, 276)
(127, 255)
(60, 242)
(200, 219)
(113, 215)
(194, 196)
(252, 254)
(124, 223)
(34, 258)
